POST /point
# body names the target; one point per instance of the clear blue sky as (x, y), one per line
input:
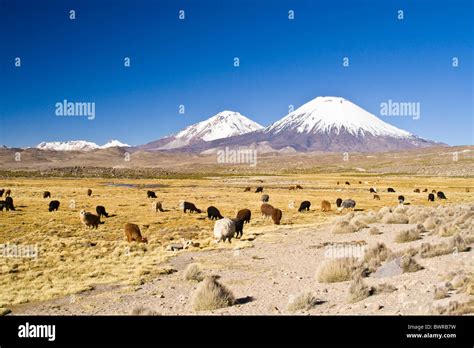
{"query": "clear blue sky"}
(190, 62)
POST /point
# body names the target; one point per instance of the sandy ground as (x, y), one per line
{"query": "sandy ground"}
(281, 263)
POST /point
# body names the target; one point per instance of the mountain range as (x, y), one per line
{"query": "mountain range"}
(78, 145)
(331, 124)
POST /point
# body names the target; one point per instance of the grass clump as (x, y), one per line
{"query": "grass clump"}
(374, 257)
(395, 218)
(337, 270)
(409, 265)
(374, 230)
(343, 227)
(303, 301)
(144, 311)
(193, 272)
(358, 290)
(211, 295)
(440, 293)
(407, 236)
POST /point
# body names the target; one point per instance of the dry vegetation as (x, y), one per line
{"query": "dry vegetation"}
(211, 295)
(358, 290)
(303, 301)
(337, 270)
(193, 272)
(407, 236)
(74, 259)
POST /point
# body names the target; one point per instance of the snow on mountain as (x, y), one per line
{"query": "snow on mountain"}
(326, 114)
(78, 145)
(225, 124)
(73, 145)
(325, 124)
(114, 143)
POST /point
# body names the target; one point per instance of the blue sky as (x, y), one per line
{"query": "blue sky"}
(190, 62)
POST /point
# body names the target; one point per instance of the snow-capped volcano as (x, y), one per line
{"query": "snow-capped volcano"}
(78, 145)
(334, 114)
(225, 124)
(114, 143)
(326, 124)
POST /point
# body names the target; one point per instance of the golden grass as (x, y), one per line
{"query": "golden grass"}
(456, 244)
(374, 257)
(193, 272)
(395, 218)
(211, 295)
(456, 308)
(358, 290)
(440, 293)
(337, 270)
(73, 258)
(408, 264)
(303, 301)
(374, 230)
(144, 311)
(343, 227)
(407, 236)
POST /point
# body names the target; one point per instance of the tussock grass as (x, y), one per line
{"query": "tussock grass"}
(144, 311)
(211, 295)
(430, 223)
(358, 290)
(337, 270)
(440, 293)
(407, 236)
(385, 288)
(193, 272)
(303, 301)
(374, 257)
(374, 230)
(343, 227)
(395, 218)
(417, 217)
(456, 308)
(73, 258)
(408, 264)
(455, 244)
